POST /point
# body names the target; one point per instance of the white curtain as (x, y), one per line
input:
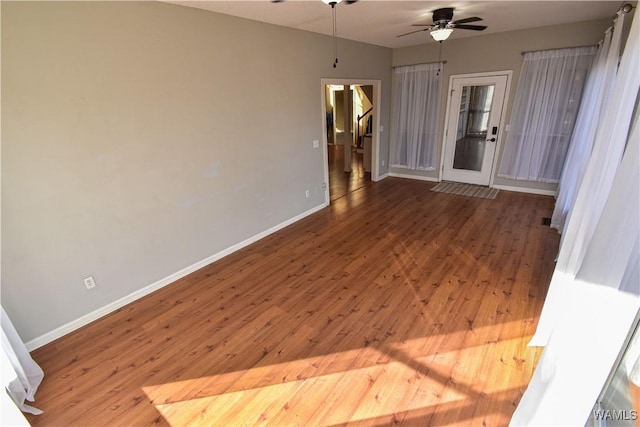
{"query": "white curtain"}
(594, 294)
(596, 93)
(608, 147)
(21, 375)
(544, 113)
(599, 308)
(415, 116)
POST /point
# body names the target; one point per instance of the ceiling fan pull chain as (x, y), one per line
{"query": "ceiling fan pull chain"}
(439, 57)
(335, 36)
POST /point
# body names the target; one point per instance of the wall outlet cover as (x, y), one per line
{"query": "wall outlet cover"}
(89, 282)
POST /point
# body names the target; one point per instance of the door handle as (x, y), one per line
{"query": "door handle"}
(491, 140)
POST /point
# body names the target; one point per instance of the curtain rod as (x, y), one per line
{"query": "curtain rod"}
(557, 48)
(419, 63)
(625, 8)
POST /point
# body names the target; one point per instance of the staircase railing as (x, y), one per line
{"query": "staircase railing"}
(360, 117)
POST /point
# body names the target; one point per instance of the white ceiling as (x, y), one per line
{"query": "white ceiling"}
(380, 22)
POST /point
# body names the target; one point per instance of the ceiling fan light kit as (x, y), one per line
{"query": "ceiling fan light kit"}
(440, 34)
(335, 2)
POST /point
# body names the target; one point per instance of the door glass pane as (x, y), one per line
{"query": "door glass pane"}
(473, 122)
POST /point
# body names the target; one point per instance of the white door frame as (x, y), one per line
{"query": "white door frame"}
(375, 137)
(501, 131)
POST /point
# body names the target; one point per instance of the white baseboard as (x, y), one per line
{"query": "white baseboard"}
(526, 190)
(111, 307)
(499, 187)
(417, 177)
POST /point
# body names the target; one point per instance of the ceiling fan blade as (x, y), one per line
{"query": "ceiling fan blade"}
(351, 1)
(467, 20)
(422, 25)
(470, 27)
(412, 32)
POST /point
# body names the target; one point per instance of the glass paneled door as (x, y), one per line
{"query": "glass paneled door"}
(473, 127)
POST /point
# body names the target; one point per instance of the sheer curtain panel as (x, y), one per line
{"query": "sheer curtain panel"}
(415, 116)
(598, 308)
(544, 113)
(21, 376)
(596, 93)
(593, 298)
(591, 197)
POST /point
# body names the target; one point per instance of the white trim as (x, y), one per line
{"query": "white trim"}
(500, 73)
(375, 140)
(416, 177)
(483, 74)
(111, 307)
(525, 190)
(381, 177)
(419, 168)
(502, 135)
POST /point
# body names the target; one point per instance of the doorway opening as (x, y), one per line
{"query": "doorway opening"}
(350, 122)
(349, 129)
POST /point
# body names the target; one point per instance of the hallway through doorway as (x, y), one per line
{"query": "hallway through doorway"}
(342, 183)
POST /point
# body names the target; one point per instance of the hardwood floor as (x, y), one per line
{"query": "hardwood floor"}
(395, 305)
(340, 182)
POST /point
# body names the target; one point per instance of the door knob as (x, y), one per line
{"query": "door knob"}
(491, 140)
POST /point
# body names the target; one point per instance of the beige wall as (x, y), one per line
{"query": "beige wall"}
(493, 52)
(139, 138)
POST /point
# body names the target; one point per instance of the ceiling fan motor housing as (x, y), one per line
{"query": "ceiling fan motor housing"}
(442, 17)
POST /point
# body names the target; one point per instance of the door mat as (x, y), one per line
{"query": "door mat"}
(469, 190)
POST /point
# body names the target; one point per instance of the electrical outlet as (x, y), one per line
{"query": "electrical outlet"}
(89, 282)
(316, 143)
(383, 162)
(306, 194)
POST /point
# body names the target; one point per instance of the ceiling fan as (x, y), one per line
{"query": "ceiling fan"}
(329, 2)
(443, 24)
(333, 4)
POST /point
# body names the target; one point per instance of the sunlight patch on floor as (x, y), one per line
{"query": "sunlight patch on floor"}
(326, 390)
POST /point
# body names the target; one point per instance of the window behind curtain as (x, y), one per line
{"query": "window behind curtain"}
(544, 113)
(415, 116)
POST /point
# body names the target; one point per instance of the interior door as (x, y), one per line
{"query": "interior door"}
(473, 128)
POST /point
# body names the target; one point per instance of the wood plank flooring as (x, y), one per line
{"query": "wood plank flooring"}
(342, 183)
(395, 305)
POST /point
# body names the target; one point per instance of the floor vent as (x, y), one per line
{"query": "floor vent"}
(546, 221)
